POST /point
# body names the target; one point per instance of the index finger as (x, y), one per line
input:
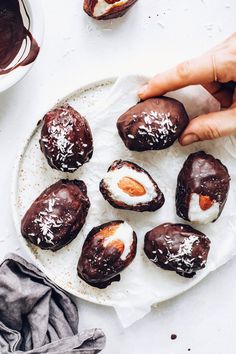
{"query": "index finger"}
(192, 72)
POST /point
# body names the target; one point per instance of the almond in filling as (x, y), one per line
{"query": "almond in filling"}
(121, 237)
(199, 215)
(205, 202)
(108, 231)
(131, 187)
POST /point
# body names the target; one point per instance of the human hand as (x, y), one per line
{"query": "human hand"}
(216, 72)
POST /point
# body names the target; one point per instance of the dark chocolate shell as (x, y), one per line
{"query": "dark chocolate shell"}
(107, 251)
(66, 139)
(177, 247)
(202, 188)
(57, 215)
(107, 9)
(153, 124)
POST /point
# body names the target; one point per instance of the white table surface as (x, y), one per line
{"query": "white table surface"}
(154, 35)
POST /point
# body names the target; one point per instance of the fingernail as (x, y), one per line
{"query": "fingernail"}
(143, 90)
(189, 139)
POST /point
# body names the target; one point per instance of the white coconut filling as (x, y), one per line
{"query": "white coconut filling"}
(196, 214)
(124, 233)
(112, 179)
(102, 7)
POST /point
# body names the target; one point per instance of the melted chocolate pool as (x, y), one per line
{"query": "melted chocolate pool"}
(15, 38)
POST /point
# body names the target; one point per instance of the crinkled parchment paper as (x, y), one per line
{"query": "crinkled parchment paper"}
(142, 283)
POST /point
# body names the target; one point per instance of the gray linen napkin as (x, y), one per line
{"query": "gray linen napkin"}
(38, 317)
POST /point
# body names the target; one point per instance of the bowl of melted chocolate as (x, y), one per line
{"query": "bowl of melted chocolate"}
(21, 32)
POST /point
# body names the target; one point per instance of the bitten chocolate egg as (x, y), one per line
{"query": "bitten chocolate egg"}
(107, 9)
(202, 188)
(128, 186)
(153, 124)
(107, 250)
(66, 139)
(57, 215)
(178, 248)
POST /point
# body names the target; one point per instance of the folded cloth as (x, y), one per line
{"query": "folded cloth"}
(38, 317)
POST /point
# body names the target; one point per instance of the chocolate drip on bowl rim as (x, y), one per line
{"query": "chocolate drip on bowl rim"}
(17, 45)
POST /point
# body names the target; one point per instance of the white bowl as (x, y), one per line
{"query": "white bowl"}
(35, 12)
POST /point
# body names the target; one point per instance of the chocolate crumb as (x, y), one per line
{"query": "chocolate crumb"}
(173, 336)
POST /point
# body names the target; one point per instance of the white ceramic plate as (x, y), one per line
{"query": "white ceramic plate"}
(141, 279)
(35, 12)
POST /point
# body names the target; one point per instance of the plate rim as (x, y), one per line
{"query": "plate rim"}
(23, 243)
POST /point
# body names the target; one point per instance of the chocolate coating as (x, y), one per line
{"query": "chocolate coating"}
(178, 248)
(57, 215)
(66, 139)
(14, 37)
(113, 12)
(153, 124)
(204, 175)
(100, 264)
(151, 205)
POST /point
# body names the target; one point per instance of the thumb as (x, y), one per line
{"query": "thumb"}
(210, 126)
